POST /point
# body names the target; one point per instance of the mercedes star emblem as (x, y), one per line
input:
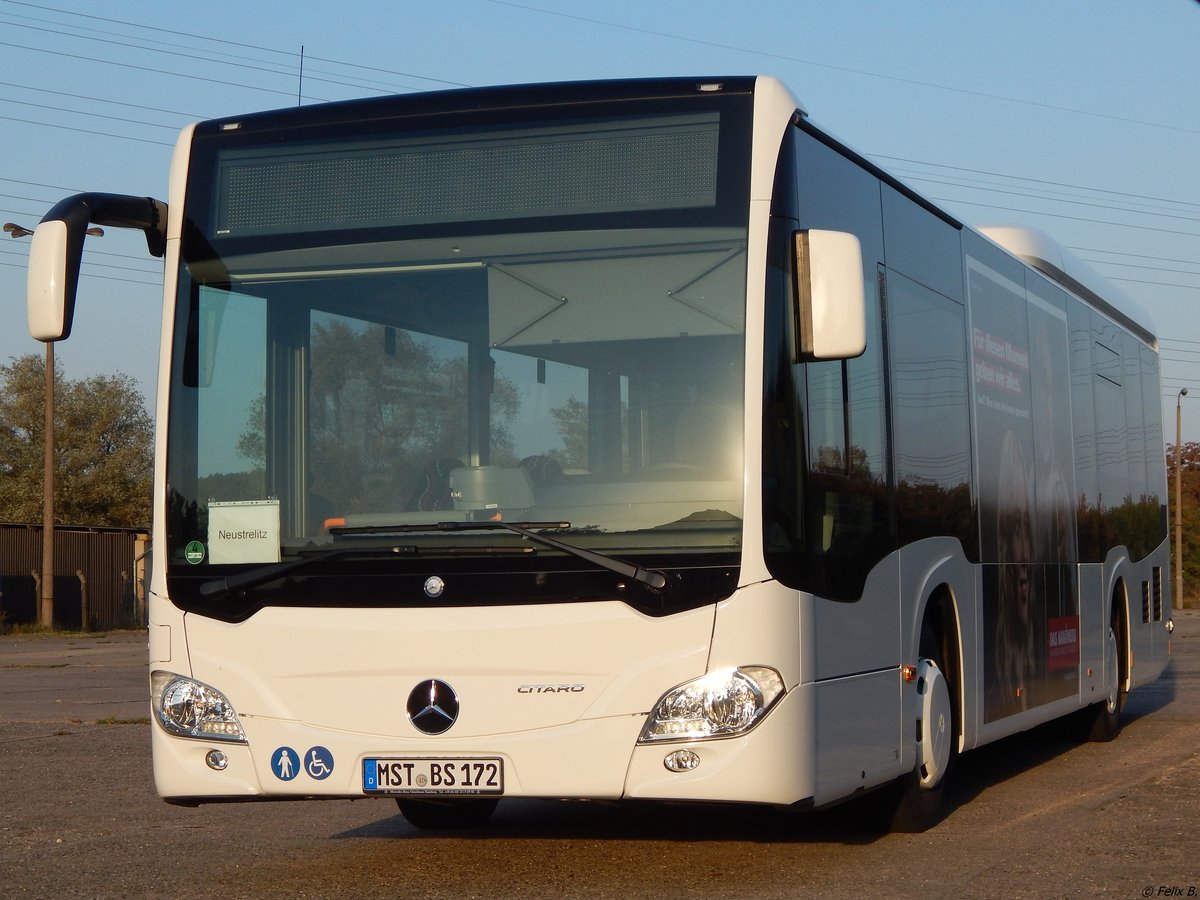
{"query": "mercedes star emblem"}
(433, 706)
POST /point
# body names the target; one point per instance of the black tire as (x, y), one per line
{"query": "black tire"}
(1102, 721)
(447, 814)
(916, 799)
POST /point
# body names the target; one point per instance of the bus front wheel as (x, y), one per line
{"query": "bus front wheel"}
(918, 795)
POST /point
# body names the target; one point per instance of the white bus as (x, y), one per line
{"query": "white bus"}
(618, 440)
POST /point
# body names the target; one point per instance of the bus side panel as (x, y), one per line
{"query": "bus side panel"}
(856, 650)
(858, 721)
(865, 713)
(863, 635)
(1148, 598)
(1093, 628)
(930, 569)
(1020, 380)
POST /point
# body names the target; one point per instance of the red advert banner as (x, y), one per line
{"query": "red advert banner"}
(1062, 643)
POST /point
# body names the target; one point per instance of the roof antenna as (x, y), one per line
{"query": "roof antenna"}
(300, 87)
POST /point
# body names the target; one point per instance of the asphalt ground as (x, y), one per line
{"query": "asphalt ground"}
(1032, 816)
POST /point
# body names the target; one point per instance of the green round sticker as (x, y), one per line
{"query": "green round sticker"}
(194, 553)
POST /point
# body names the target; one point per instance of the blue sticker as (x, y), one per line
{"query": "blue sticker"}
(285, 763)
(318, 762)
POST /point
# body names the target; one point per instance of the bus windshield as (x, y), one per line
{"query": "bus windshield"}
(529, 322)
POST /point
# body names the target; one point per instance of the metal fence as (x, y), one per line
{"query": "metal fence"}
(97, 570)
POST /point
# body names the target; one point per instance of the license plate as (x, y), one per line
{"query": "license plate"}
(433, 775)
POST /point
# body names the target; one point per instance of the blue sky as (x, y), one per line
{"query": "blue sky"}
(1081, 117)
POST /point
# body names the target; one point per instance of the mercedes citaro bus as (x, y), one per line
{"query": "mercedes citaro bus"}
(620, 440)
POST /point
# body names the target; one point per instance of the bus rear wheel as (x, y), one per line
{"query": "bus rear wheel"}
(447, 814)
(1102, 721)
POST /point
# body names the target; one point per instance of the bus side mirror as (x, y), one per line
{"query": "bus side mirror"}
(50, 289)
(57, 249)
(830, 298)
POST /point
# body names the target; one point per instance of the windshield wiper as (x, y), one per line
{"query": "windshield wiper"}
(650, 577)
(271, 571)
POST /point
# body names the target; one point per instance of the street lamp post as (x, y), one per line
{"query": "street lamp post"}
(46, 598)
(46, 601)
(1178, 592)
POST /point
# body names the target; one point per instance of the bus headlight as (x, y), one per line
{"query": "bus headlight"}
(192, 709)
(720, 704)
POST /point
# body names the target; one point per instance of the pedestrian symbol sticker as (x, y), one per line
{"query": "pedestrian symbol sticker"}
(285, 763)
(318, 763)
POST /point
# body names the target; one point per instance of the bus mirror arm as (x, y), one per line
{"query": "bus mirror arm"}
(829, 301)
(57, 248)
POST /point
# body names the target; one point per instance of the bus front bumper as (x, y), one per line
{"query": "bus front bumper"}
(597, 759)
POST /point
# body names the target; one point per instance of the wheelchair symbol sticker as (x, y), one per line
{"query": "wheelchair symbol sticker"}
(318, 763)
(285, 763)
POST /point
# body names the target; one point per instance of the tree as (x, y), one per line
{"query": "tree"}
(103, 447)
(1190, 505)
(383, 406)
(572, 421)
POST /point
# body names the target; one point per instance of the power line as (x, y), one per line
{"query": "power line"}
(88, 262)
(1033, 180)
(529, 8)
(21, 212)
(853, 71)
(76, 14)
(1186, 287)
(1107, 262)
(85, 131)
(1087, 203)
(41, 90)
(272, 68)
(109, 42)
(1033, 212)
(156, 71)
(95, 275)
(1134, 255)
(80, 31)
(268, 68)
(56, 187)
(20, 197)
(175, 55)
(156, 266)
(292, 55)
(80, 112)
(1059, 199)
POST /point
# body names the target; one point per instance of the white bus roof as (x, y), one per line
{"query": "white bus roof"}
(1063, 267)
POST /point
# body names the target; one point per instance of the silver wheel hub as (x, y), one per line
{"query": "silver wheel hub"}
(1112, 673)
(937, 733)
